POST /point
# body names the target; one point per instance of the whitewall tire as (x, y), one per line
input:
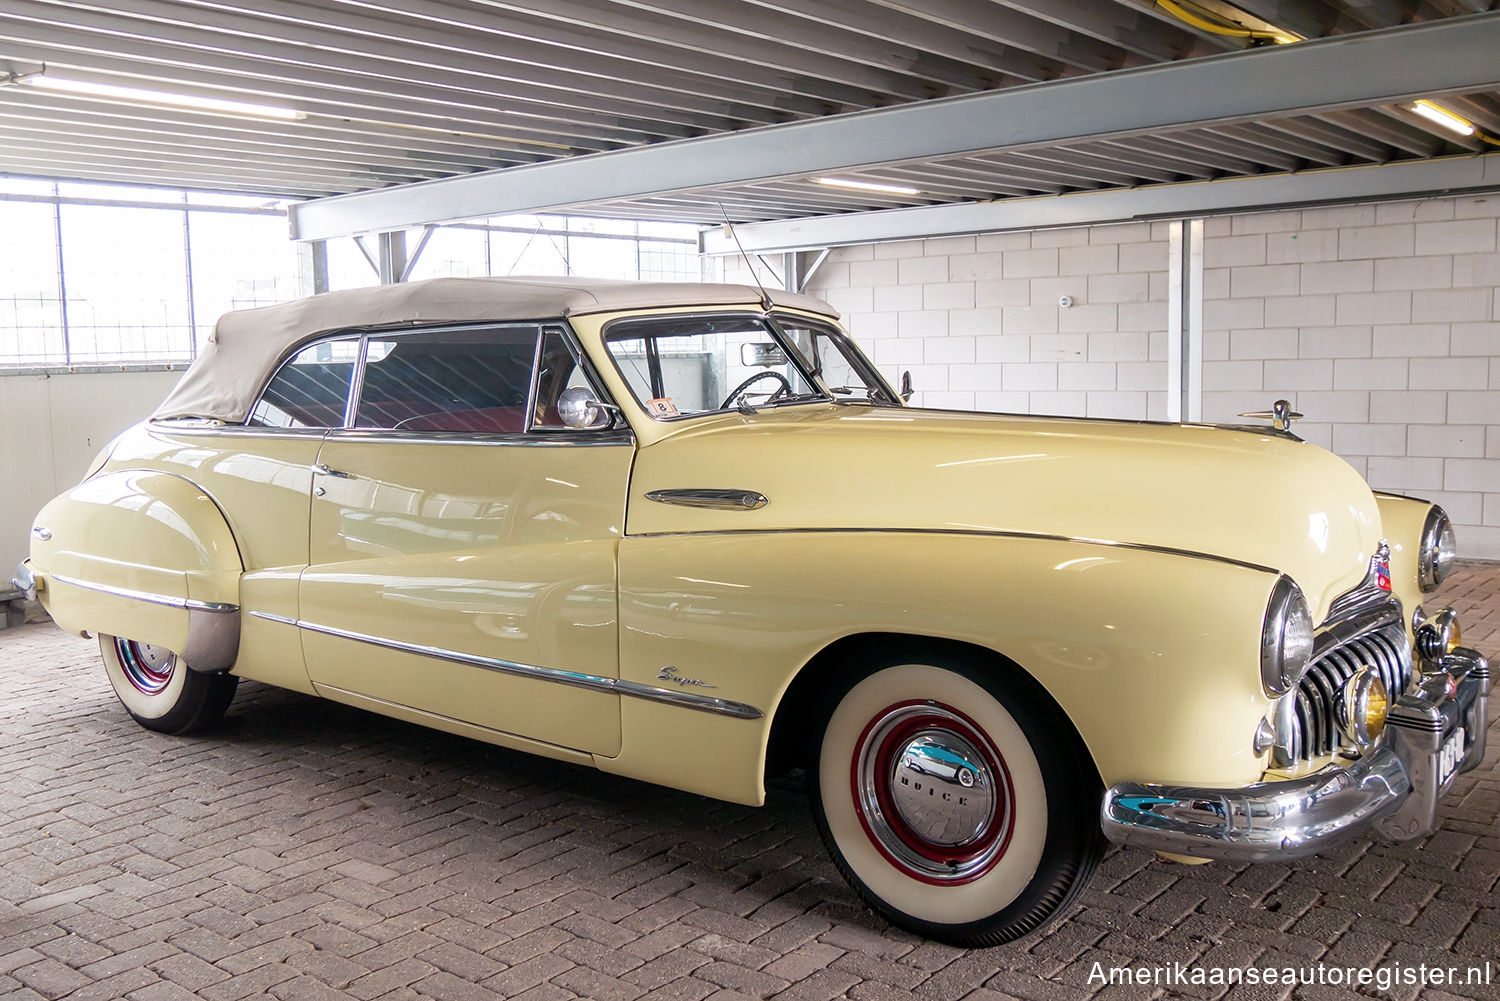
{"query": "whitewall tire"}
(954, 796)
(159, 691)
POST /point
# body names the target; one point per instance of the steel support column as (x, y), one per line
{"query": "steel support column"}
(392, 256)
(1185, 320)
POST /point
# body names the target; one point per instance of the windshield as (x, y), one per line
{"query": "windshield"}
(681, 366)
(834, 362)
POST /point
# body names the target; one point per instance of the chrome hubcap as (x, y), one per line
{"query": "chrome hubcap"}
(932, 793)
(148, 668)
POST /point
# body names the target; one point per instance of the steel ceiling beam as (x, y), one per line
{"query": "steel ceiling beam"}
(1411, 179)
(1380, 67)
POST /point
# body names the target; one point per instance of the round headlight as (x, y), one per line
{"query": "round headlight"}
(1362, 706)
(1286, 638)
(1439, 549)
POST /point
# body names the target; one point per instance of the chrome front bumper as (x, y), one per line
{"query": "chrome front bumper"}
(1395, 785)
(24, 580)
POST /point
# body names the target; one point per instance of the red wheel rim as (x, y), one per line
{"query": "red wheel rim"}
(149, 669)
(932, 792)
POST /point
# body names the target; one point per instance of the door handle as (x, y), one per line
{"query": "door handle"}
(323, 470)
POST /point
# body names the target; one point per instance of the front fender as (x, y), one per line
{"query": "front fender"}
(1401, 520)
(142, 554)
(1152, 655)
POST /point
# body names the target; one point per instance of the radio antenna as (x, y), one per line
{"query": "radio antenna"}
(765, 297)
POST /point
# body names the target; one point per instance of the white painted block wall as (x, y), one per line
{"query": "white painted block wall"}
(1381, 323)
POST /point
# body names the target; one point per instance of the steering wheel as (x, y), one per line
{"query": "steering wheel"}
(738, 391)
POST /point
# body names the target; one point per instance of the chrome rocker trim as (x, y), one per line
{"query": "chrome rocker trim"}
(213, 639)
(574, 679)
(1395, 785)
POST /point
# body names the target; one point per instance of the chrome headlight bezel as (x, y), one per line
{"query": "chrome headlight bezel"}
(1286, 638)
(1437, 551)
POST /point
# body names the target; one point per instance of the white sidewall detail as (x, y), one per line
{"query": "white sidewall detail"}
(990, 893)
(138, 702)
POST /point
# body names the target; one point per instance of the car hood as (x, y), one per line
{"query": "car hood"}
(1256, 498)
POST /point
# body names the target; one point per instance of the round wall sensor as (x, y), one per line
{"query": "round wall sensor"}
(1065, 301)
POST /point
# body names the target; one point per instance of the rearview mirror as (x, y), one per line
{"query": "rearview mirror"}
(578, 409)
(762, 355)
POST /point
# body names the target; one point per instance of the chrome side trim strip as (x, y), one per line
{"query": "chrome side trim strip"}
(980, 533)
(552, 438)
(191, 604)
(722, 500)
(574, 679)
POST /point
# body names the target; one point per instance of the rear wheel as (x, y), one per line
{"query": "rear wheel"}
(957, 801)
(160, 691)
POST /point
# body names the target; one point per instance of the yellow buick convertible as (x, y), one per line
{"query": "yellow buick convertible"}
(687, 533)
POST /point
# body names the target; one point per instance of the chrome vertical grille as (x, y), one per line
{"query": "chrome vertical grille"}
(1315, 729)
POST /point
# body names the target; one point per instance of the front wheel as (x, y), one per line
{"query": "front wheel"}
(956, 800)
(159, 691)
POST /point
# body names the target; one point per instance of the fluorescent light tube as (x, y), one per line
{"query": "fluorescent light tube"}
(844, 182)
(1444, 117)
(136, 95)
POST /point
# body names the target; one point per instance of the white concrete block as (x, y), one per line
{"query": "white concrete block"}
(1471, 407)
(1470, 270)
(871, 325)
(1369, 439)
(1463, 508)
(1030, 319)
(1300, 311)
(833, 274)
(1296, 376)
(1003, 402)
(931, 377)
(1097, 259)
(900, 350)
(1031, 263)
(1215, 345)
(1216, 283)
(1003, 347)
(1059, 347)
(1425, 210)
(1481, 475)
(1414, 340)
(1156, 406)
(898, 249)
(1129, 232)
(856, 252)
(1158, 350)
(1150, 256)
(922, 323)
(873, 273)
(1011, 292)
(1475, 339)
(944, 400)
(1335, 342)
(1376, 241)
(1355, 308)
(986, 242)
(1479, 543)
(1492, 442)
(948, 295)
(1219, 376)
(921, 270)
(977, 376)
(1338, 216)
(1218, 226)
(942, 246)
(1389, 472)
(1411, 406)
(1089, 375)
(1320, 435)
(1453, 441)
(975, 267)
(1059, 404)
(1127, 346)
(1370, 373)
(1299, 248)
(1072, 237)
(1448, 373)
(1031, 377)
(1141, 375)
(1161, 230)
(1267, 222)
(1045, 290)
(850, 300)
(1463, 236)
(1118, 406)
(894, 298)
(1280, 342)
(1221, 408)
(1334, 407)
(974, 322)
(948, 350)
(1465, 305)
(1413, 272)
(1339, 276)
(1230, 314)
(1119, 288)
(1088, 319)
(1234, 251)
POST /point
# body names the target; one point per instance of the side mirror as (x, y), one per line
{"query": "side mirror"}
(762, 355)
(906, 389)
(578, 409)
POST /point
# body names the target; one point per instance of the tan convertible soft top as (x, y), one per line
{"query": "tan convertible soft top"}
(237, 358)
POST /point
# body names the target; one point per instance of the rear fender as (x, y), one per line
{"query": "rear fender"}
(142, 554)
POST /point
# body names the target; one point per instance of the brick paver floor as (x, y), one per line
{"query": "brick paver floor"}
(306, 850)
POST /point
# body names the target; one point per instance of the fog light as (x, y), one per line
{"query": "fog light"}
(1362, 706)
(1439, 636)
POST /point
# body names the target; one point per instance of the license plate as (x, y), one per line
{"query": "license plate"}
(1451, 756)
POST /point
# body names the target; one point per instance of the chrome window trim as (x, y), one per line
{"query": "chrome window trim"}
(150, 597)
(572, 679)
(286, 359)
(239, 430)
(548, 438)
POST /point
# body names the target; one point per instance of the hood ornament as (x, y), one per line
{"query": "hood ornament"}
(1281, 415)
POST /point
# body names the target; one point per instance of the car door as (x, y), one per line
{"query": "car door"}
(463, 541)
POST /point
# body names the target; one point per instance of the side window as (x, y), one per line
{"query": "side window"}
(560, 370)
(311, 390)
(473, 380)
